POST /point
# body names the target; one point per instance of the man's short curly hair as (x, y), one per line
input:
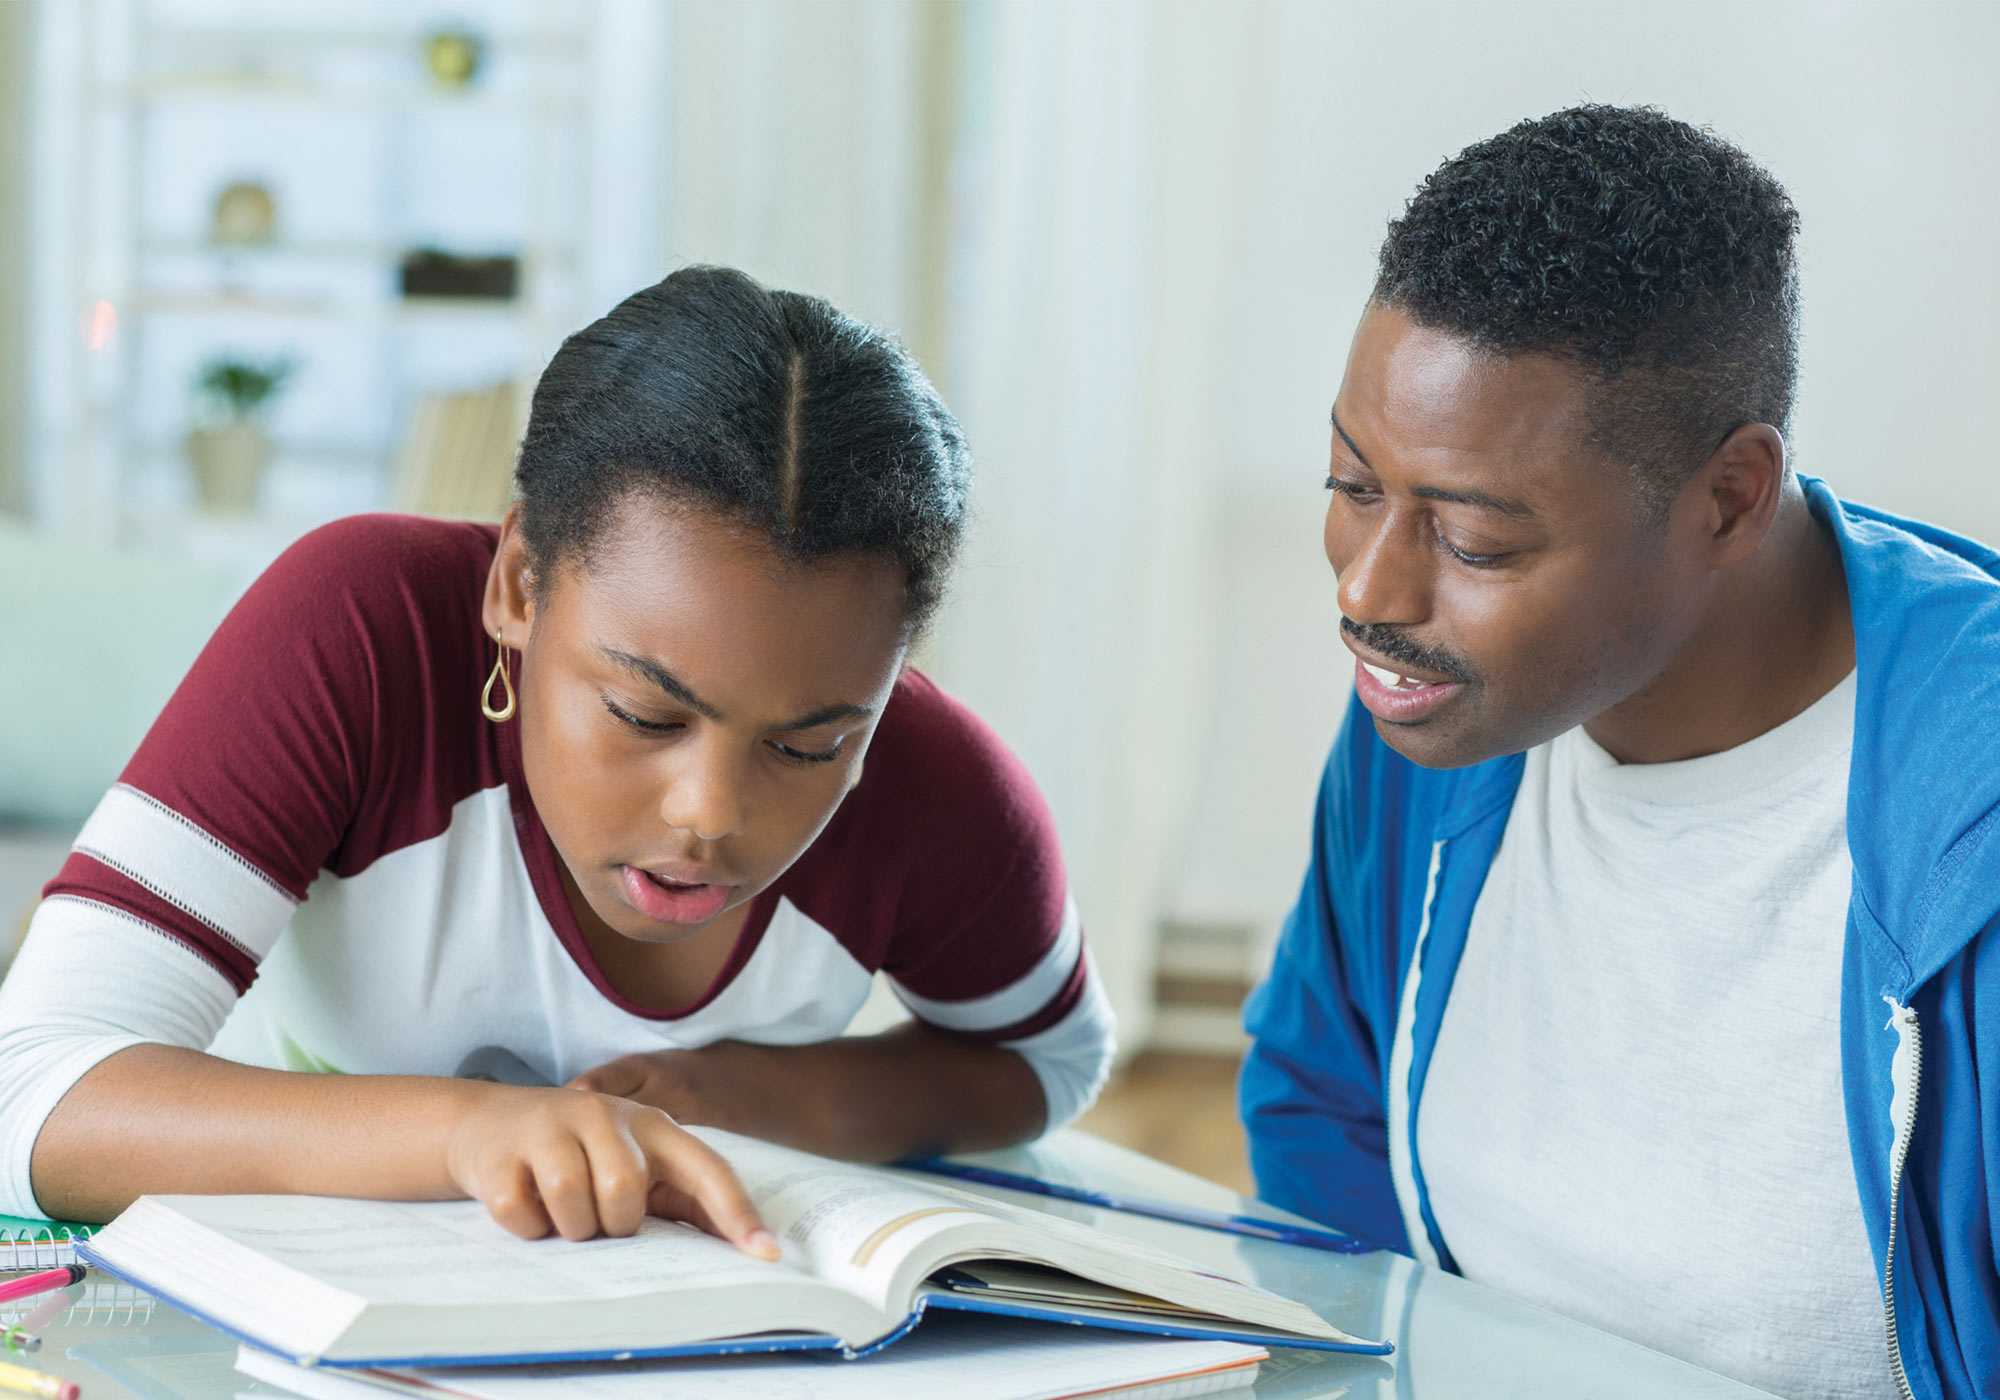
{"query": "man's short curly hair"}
(1655, 257)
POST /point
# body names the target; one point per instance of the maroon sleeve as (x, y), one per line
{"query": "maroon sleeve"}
(313, 730)
(943, 869)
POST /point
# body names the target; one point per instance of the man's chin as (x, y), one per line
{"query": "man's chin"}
(1431, 744)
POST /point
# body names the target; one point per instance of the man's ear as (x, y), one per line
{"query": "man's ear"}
(508, 609)
(1739, 489)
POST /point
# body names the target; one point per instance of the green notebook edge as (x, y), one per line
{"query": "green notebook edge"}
(23, 1229)
(27, 1243)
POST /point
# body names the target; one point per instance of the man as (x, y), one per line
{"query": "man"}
(1649, 948)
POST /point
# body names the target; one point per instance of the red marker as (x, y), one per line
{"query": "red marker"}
(41, 1283)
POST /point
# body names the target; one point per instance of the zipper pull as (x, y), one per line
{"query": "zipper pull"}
(1903, 1069)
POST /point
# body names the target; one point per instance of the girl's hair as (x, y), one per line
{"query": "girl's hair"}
(770, 407)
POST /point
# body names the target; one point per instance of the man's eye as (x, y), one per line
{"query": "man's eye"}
(632, 721)
(1354, 491)
(1477, 561)
(792, 755)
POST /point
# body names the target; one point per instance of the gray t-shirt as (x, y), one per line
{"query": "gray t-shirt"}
(1634, 1113)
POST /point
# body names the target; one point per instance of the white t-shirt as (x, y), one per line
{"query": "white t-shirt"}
(1633, 1115)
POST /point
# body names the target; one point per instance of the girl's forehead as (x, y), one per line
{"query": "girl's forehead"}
(724, 608)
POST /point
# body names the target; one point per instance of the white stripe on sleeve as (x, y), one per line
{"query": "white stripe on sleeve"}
(1015, 1002)
(1072, 1058)
(184, 865)
(88, 982)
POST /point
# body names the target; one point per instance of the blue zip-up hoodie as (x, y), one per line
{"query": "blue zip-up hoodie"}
(1345, 1025)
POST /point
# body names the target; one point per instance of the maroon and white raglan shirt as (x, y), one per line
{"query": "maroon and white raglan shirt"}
(324, 857)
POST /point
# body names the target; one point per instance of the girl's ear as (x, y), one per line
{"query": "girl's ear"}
(508, 609)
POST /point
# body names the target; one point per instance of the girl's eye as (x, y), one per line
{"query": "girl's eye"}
(631, 721)
(792, 755)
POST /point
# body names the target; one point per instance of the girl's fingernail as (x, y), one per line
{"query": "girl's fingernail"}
(765, 1243)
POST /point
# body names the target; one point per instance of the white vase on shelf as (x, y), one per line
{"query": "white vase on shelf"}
(229, 463)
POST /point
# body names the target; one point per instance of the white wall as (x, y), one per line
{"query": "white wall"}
(1883, 120)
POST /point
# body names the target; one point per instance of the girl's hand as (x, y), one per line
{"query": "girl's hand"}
(678, 1082)
(909, 1092)
(583, 1163)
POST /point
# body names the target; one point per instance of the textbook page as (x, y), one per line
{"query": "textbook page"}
(427, 1252)
(345, 1278)
(878, 1234)
(852, 1226)
(858, 1226)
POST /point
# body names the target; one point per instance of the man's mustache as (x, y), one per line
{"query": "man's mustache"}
(1390, 642)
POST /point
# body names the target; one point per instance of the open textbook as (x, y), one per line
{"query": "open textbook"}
(866, 1252)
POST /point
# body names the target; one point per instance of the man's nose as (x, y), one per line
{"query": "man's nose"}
(707, 791)
(1388, 574)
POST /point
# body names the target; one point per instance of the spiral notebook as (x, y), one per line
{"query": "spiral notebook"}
(38, 1244)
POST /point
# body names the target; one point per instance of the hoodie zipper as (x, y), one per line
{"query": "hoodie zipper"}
(1401, 1142)
(1903, 1108)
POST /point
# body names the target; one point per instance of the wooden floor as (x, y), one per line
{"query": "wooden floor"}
(1180, 1109)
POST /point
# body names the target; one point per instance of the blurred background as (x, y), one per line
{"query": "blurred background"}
(265, 264)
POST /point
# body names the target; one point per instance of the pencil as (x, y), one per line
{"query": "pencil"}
(37, 1383)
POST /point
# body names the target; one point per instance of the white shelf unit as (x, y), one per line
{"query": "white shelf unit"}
(148, 108)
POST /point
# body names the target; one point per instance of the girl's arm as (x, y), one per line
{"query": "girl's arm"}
(103, 1096)
(911, 1091)
(162, 1118)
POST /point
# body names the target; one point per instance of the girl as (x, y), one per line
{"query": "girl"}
(580, 800)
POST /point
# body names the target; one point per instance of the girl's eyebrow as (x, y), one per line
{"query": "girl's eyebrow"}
(827, 714)
(649, 670)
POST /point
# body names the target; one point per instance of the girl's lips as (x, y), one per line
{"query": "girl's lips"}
(1399, 703)
(669, 903)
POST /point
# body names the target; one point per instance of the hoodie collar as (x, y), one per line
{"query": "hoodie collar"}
(1923, 793)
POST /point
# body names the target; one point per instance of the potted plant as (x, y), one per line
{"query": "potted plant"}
(228, 447)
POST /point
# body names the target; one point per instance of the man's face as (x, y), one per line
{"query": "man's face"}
(1499, 583)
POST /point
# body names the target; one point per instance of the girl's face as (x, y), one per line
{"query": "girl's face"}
(693, 707)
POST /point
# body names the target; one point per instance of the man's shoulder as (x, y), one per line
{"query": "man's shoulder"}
(1904, 573)
(1922, 800)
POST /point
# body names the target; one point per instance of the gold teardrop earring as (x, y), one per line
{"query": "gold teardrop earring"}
(500, 674)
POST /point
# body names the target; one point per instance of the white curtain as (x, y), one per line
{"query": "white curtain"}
(1045, 200)
(796, 147)
(1095, 231)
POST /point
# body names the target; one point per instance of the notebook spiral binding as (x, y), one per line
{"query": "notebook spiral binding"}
(95, 1305)
(33, 1248)
(98, 1302)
